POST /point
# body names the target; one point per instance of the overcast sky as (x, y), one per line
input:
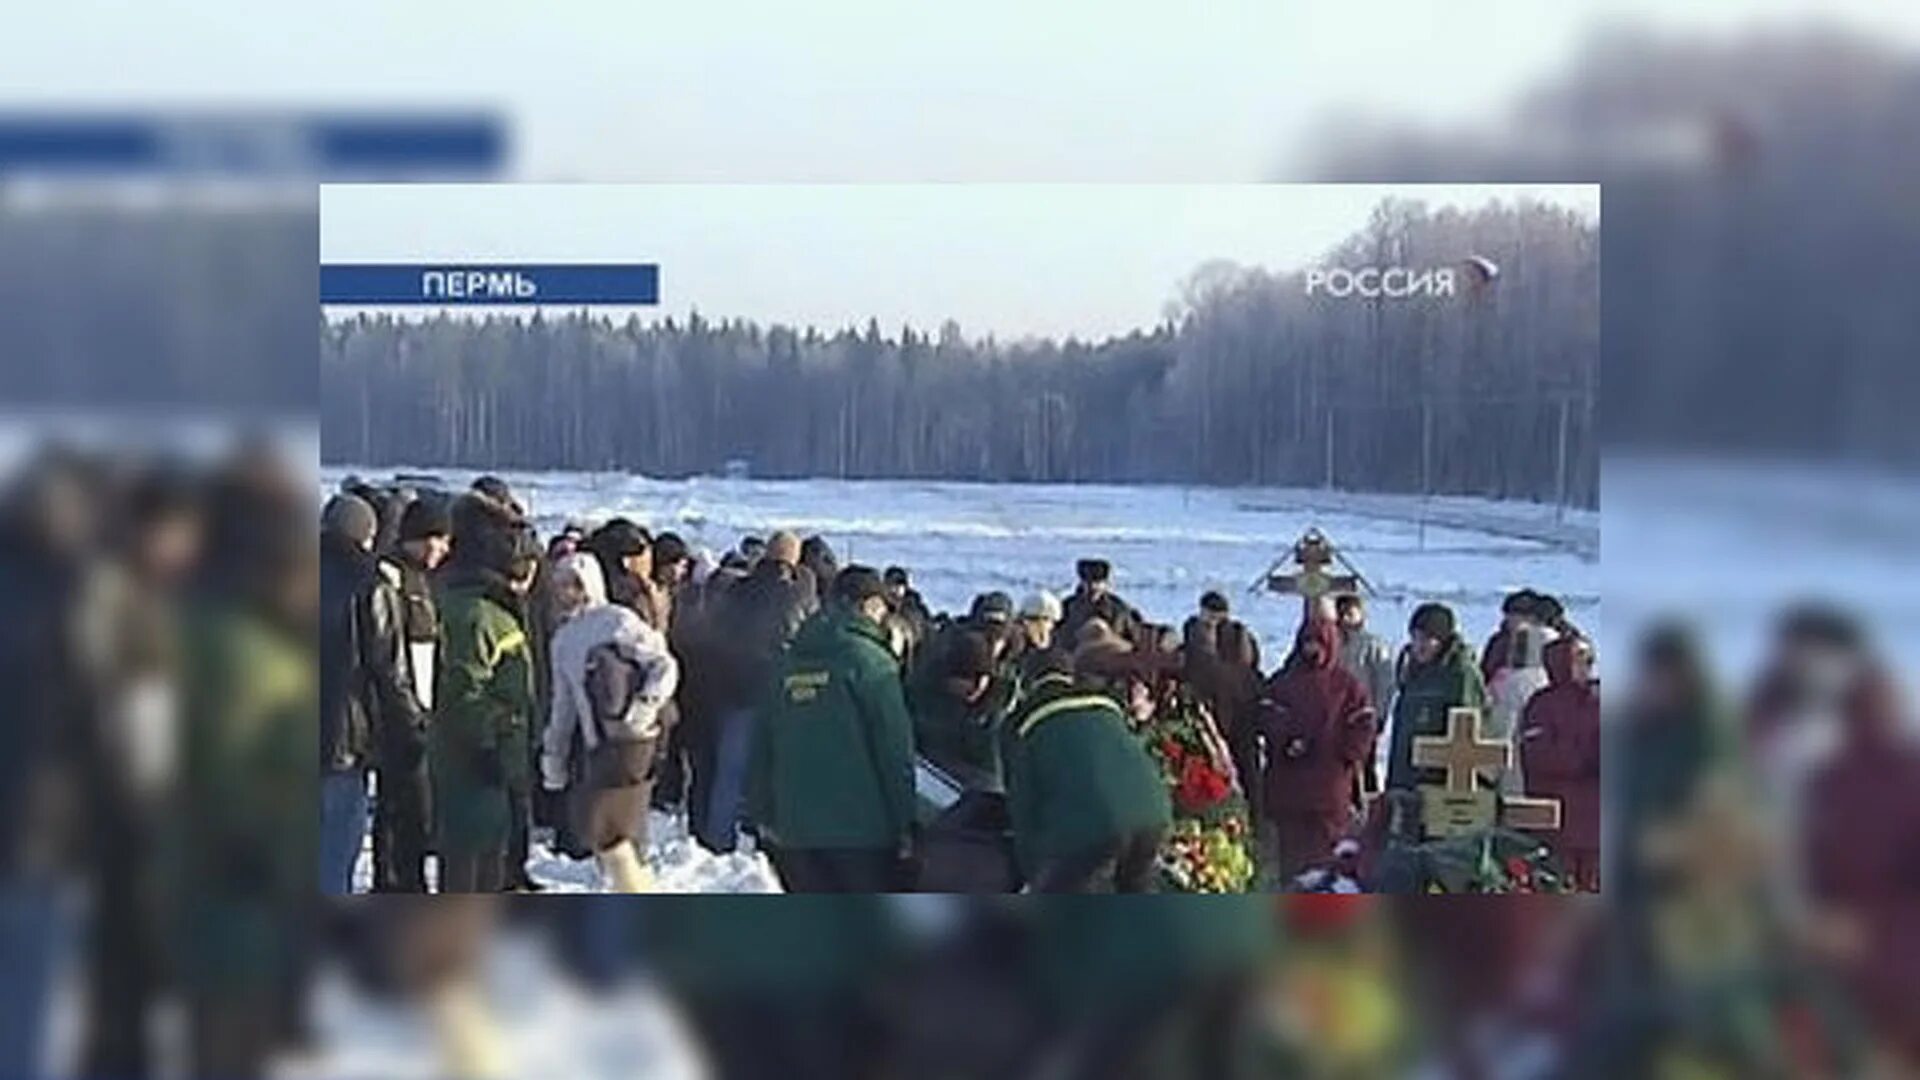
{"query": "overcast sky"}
(772, 90)
(1007, 259)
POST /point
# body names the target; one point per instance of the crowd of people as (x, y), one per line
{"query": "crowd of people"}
(155, 754)
(491, 683)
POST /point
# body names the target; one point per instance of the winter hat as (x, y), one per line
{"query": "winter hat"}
(489, 534)
(1092, 570)
(970, 656)
(585, 569)
(854, 585)
(668, 549)
(895, 575)
(1041, 605)
(1213, 601)
(620, 538)
(992, 607)
(1434, 620)
(496, 489)
(350, 516)
(425, 517)
(1097, 640)
(784, 547)
(815, 549)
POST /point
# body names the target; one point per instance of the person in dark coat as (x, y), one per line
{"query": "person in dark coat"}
(906, 602)
(1559, 739)
(673, 577)
(367, 696)
(46, 529)
(832, 769)
(1225, 676)
(1439, 675)
(1672, 738)
(625, 551)
(1517, 609)
(1088, 805)
(1318, 727)
(1095, 599)
(816, 556)
(747, 635)
(955, 725)
(403, 815)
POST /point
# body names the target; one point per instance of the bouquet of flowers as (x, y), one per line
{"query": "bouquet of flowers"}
(1492, 861)
(1207, 849)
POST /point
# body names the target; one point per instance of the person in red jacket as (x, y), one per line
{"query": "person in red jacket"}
(1318, 726)
(1860, 846)
(1560, 755)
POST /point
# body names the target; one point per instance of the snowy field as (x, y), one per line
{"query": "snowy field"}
(1167, 544)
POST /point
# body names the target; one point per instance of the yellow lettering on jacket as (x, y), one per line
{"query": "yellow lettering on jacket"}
(804, 686)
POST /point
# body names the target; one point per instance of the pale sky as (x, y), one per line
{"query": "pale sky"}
(1013, 260)
(772, 90)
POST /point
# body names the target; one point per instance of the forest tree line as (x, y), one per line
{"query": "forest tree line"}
(1243, 379)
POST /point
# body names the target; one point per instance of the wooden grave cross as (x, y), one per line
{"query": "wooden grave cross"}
(1460, 805)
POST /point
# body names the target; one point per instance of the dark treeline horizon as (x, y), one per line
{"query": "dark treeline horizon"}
(1243, 380)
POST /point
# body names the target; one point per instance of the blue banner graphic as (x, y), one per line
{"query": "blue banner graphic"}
(494, 283)
(321, 146)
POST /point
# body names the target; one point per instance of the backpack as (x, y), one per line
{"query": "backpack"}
(622, 756)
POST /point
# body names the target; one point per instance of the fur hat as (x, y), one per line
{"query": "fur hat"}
(350, 516)
(783, 547)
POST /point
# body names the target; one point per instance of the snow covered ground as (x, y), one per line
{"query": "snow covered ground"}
(1167, 544)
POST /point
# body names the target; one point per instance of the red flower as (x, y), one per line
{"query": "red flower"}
(1201, 786)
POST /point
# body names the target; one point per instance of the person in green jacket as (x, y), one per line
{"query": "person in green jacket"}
(1088, 806)
(241, 853)
(830, 787)
(480, 743)
(1439, 673)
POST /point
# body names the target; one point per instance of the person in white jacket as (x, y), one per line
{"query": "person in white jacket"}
(1524, 675)
(612, 675)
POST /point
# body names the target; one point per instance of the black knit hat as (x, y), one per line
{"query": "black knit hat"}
(1091, 570)
(668, 549)
(895, 575)
(1212, 600)
(424, 517)
(1434, 620)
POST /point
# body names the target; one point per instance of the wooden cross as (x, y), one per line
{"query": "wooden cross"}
(1466, 753)
(1313, 554)
(1463, 751)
